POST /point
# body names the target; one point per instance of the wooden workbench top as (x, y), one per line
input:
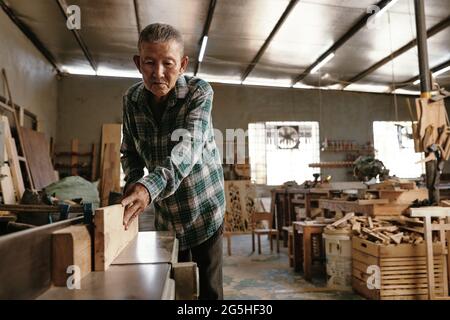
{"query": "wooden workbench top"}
(141, 271)
(119, 282)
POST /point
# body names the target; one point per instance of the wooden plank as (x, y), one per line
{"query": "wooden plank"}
(108, 168)
(404, 196)
(391, 251)
(401, 286)
(74, 157)
(397, 292)
(94, 163)
(71, 246)
(361, 288)
(38, 158)
(418, 281)
(348, 216)
(364, 257)
(42, 208)
(391, 209)
(110, 235)
(365, 246)
(112, 133)
(406, 262)
(6, 184)
(442, 212)
(373, 201)
(13, 159)
(26, 261)
(18, 172)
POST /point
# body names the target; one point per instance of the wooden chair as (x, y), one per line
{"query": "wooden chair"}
(258, 229)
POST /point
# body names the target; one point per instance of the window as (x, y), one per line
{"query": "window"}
(282, 151)
(394, 146)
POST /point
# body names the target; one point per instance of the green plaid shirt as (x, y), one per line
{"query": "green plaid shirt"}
(185, 179)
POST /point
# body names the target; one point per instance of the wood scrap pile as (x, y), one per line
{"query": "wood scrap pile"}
(395, 184)
(389, 230)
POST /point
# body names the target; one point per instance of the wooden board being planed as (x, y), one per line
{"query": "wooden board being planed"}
(38, 158)
(110, 236)
(71, 246)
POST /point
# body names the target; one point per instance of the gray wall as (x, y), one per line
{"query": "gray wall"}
(31, 78)
(85, 103)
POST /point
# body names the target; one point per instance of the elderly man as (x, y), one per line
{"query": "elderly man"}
(167, 128)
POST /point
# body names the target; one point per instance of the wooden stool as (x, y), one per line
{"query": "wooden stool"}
(312, 235)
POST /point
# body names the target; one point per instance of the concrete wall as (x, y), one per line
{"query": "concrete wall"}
(31, 78)
(85, 103)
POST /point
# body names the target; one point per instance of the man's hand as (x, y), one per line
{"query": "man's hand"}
(135, 200)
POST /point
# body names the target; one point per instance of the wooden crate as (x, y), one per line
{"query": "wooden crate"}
(403, 270)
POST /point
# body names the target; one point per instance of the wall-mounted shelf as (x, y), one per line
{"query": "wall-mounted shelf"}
(336, 164)
(347, 150)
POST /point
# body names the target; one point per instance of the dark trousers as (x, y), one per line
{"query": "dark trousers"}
(208, 256)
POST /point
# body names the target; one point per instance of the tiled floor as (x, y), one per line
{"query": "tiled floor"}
(267, 276)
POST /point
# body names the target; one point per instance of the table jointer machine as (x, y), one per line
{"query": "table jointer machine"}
(72, 260)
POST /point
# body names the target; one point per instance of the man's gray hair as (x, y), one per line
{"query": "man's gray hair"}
(160, 32)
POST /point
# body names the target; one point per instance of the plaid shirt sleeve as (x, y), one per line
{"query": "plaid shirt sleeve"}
(166, 178)
(132, 163)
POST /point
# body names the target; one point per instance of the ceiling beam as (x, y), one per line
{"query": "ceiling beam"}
(413, 79)
(31, 36)
(361, 23)
(212, 6)
(431, 32)
(266, 44)
(63, 7)
(136, 12)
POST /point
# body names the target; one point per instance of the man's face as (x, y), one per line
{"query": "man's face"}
(160, 65)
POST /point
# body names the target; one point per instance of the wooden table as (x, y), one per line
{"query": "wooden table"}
(303, 242)
(284, 201)
(359, 206)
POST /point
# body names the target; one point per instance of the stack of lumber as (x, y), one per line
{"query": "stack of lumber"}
(11, 180)
(390, 230)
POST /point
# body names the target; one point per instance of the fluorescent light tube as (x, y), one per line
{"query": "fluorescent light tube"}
(203, 48)
(386, 8)
(443, 70)
(322, 63)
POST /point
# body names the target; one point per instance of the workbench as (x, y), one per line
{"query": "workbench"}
(141, 271)
(284, 201)
(358, 206)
